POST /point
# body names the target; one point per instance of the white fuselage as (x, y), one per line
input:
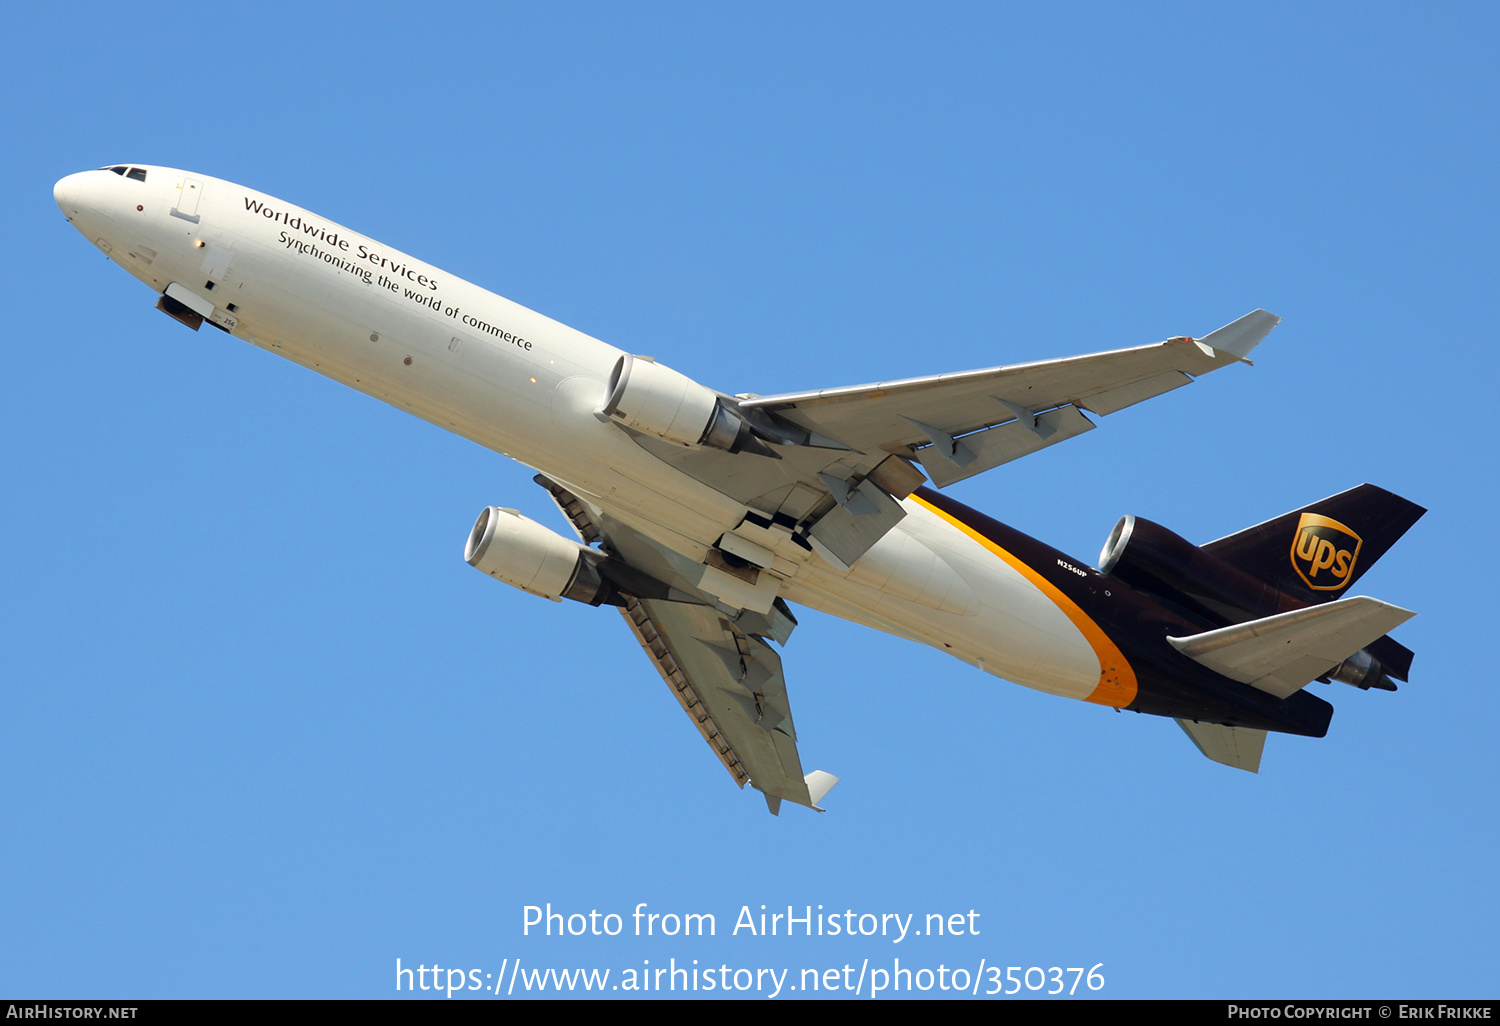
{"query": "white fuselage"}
(528, 387)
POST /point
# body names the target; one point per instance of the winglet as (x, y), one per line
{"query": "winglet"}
(819, 783)
(1237, 338)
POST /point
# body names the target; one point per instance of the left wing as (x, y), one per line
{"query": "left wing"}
(962, 424)
(730, 685)
(718, 665)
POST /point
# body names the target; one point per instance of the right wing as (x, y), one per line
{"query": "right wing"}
(958, 425)
(718, 665)
(843, 458)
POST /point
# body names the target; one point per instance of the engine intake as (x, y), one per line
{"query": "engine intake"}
(646, 396)
(1153, 559)
(524, 554)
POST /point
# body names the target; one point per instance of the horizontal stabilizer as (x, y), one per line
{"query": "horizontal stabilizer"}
(1239, 747)
(1281, 654)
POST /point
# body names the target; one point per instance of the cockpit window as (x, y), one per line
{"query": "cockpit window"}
(117, 170)
(138, 173)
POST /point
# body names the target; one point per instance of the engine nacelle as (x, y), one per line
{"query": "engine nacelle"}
(653, 398)
(646, 396)
(526, 555)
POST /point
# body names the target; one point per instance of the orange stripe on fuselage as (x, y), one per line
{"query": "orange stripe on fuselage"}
(1117, 686)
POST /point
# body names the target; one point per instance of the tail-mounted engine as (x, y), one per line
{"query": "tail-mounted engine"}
(1150, 558)
(1154, 560)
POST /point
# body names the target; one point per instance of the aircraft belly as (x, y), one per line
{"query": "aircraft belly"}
(1024, 637)
(527, 387)
(534, 418)
(530, 393)
(1006, 625)
(462, 358)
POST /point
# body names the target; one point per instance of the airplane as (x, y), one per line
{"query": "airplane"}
(704, 516)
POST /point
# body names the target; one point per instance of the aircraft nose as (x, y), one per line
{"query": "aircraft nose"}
(65, 192)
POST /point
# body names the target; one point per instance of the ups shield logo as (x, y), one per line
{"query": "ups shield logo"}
(1324, 552)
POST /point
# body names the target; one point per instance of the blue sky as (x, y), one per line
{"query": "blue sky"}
(262, 732)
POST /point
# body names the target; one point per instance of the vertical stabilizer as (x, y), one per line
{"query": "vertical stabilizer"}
(1315, 553)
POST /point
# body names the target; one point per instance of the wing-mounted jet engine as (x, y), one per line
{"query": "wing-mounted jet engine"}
(515, 549)
(524, 554)
(838, 500)
(649, 397)
(720, 667)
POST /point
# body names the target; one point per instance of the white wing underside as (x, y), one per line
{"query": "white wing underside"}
(924, 416)
(718, 666)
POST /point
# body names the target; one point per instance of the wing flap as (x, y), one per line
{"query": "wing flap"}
(682, 688)
(715, 661)
(891, 415)
(731, 686)
(985, 450)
